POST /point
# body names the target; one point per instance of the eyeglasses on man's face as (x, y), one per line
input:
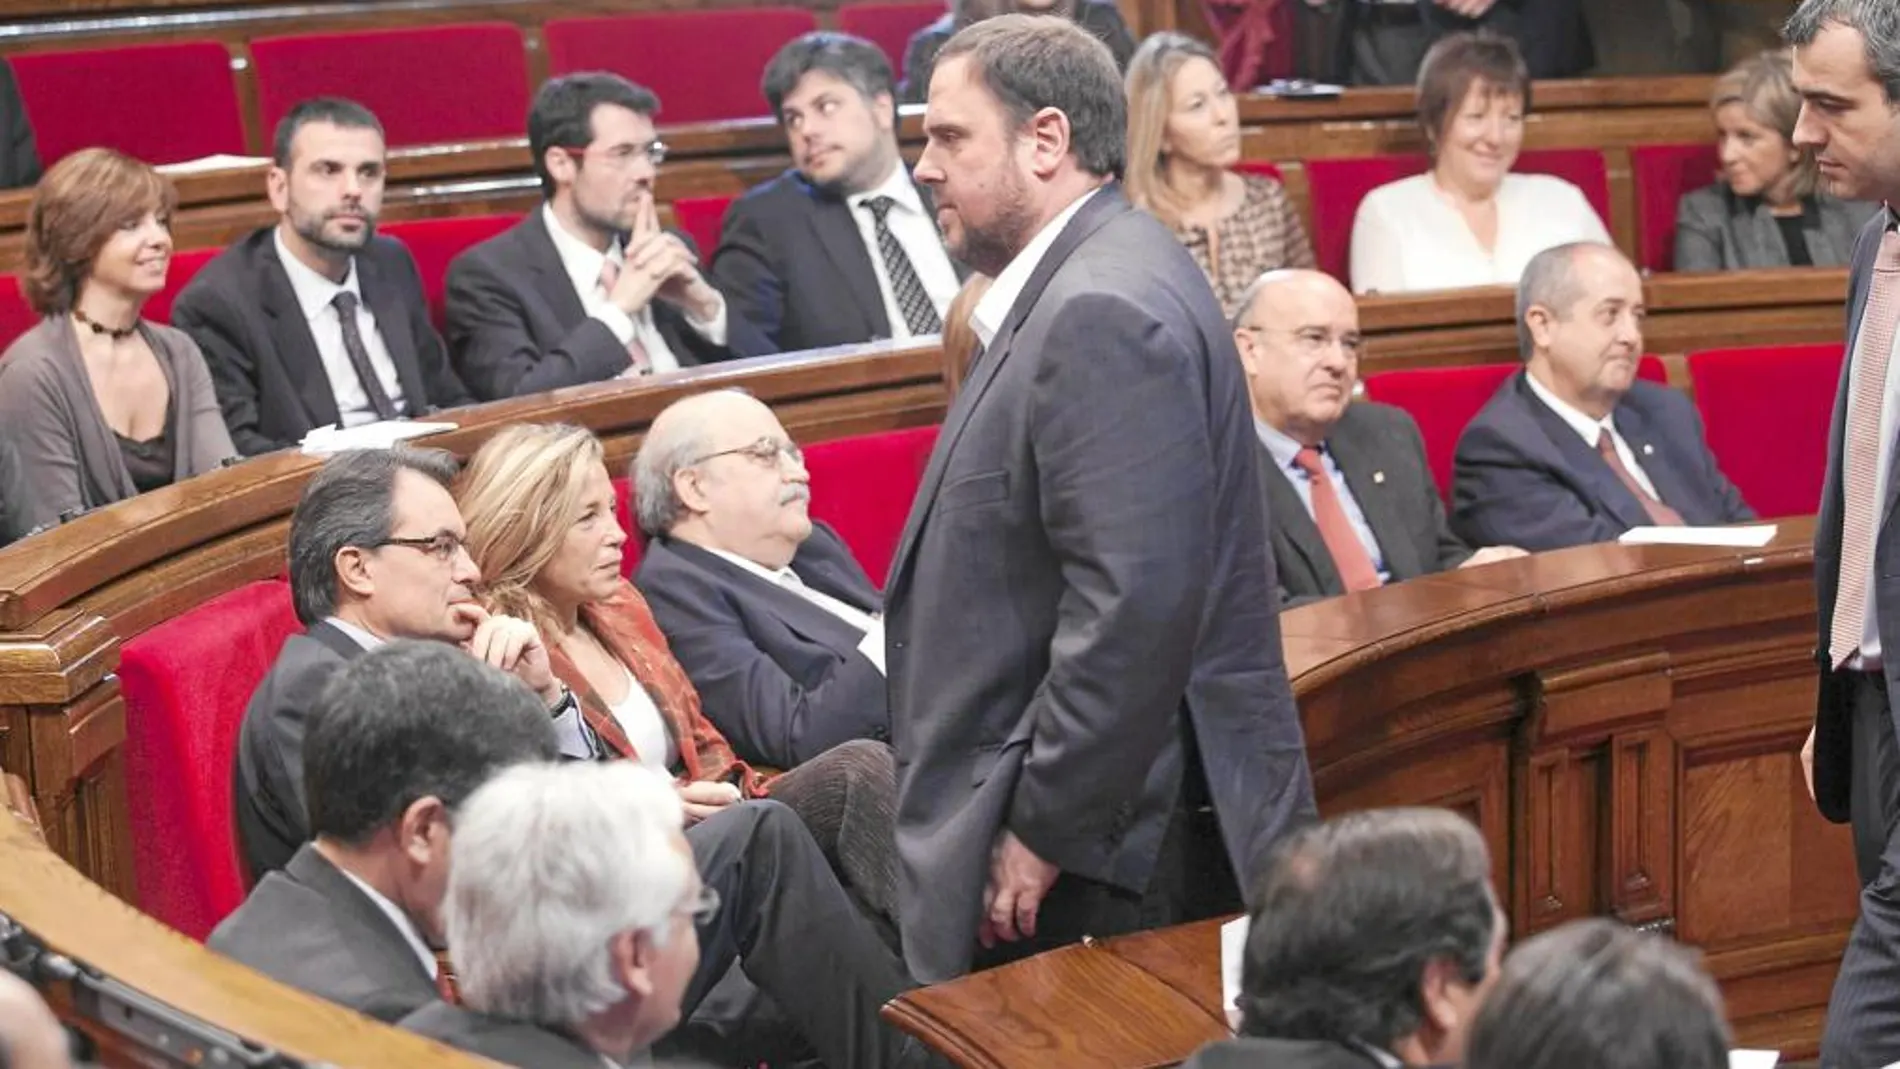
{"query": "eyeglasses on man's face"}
(1313, 342)
(442, 547)
(765, 451)
(621, 156)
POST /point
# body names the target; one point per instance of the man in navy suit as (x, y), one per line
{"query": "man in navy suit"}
(772, 618)
(843, 247)
(1575, 448)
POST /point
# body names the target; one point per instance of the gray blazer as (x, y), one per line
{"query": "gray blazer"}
(505, 1041)
(1084, 586)
(68, 454)
(1719, 231)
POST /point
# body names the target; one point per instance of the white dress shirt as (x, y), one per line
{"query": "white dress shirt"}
(1408, 236)
(1590, 430)
(645, 728)
(917, 233)
(1284, 450)
(988, 315)
(314, 294)
(583, 263)
(872, 624)
(398, 918)
(1869, 659)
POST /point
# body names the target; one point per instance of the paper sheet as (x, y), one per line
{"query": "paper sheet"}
(1753, 536)
(1753, 1059)
(1233, 949)
(379, 435)
(212, 163)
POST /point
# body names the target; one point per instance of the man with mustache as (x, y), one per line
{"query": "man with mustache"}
(316, 320)
(843, 247)
(588, 287)
(1575, 448)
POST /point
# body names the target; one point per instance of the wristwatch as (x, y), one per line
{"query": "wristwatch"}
(566, 705)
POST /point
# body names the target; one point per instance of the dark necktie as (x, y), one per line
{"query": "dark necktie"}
(345, 302)
(1349, 554)
(1659, 514)
(919, 314)
(1860, 452)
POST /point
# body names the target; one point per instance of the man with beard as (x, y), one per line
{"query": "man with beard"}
(1082, 638)
(589, 287)
(843, 247)
(317, 321)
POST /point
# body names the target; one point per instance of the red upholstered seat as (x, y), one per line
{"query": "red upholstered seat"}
(1443, 399)
(1663, 174)
(186, 683)
(703, 219)
(1766, 412)
(436, 242)
(16, 317)
(1337, 187)
(888, 26)
(636, 538)
(183, 266)
(863, 488)
(162, 103)
(704, 64)
(426, 83)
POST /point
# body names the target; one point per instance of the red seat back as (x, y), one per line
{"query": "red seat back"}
(435, 243)
(888, 26)
(1337, 187)
(178, 275)
(703, 219)
(636, 538)
(1663, 174)
(186, 683)
(1745, 394)
(427, 84)
(703, 64)
(863, 487)
(16, 316)
(161, 103)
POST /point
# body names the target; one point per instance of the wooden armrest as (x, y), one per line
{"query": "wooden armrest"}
(19, 801)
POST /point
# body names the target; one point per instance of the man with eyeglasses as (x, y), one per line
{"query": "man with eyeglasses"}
(1350, 497)
(589, 287)
(772, 617)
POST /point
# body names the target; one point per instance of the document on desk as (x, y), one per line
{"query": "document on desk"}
(1752, 536)
(1233, 949)
(1753, 1059)
(382, 434)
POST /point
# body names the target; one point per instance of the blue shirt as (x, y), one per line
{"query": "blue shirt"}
(1284, 450)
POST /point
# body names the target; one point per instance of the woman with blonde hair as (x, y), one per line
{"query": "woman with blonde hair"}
(1764, 209)
(1183, 142)
(544, 531)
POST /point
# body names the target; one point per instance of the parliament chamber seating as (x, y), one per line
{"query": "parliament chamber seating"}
(164, 103)
(888, 26)
(16, 316)
(428, 84)
(1663, 173)
(1766, 412)
(703, 219)
(435, 243)
(685, 57)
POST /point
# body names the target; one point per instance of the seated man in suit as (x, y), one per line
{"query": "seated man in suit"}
(19, 156)
(1575, 448)
(769, 613)
(1373, 942)
(315, 320)
(843, 247)
(589, 287)
(1375, 517)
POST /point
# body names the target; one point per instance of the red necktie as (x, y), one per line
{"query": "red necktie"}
(1860, 448)
(636, 352)
(1349, 554)
(1660, 515)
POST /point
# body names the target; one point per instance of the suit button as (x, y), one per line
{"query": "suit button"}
(897, 645)
(881, 733)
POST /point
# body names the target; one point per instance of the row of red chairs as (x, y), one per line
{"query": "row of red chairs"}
(428, 84)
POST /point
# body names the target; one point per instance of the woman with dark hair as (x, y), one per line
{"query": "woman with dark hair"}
(100, 404)
(1100, 17)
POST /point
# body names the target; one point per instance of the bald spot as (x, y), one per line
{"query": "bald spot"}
(693, 418)
(1295, 298)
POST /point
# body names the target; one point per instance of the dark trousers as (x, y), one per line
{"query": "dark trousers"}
(1863, 1016)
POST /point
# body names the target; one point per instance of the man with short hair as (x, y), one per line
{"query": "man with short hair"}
(769, 613)
(1350, 496)
(1088, 697)
(1575, 448)
(588, 287)
(843, 247)
(316, 320)
(1372, 943)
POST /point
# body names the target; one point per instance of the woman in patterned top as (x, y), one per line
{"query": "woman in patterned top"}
(1183, 141)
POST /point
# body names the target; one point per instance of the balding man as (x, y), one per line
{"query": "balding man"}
(1575, 448)
(1350, 498)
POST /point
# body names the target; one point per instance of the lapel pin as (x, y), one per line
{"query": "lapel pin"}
(1648, 450)
(1378, 477)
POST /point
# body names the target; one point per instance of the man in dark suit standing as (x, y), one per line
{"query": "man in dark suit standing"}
(588, 287)
(771, 616)
(1575, 448)
(843, 247)
(1383, 42)
(1350, 497)
(317, 321)
(1082, 637)
(1853, 760)
(19, 156)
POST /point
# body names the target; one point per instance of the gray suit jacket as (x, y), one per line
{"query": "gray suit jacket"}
(68, 455)
(310, 927)
(1084, 579)
(1524, 477)
(1719, 231)
(508, 1042)
(1382, 455)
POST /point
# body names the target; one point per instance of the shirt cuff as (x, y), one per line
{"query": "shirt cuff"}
(572, 734)
(618, 322)
(714, 329)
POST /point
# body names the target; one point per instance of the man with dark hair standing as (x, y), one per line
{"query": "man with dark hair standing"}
(589, 287)
(1082, 634)
(843, 247)
(1847, 69)
(316, 320)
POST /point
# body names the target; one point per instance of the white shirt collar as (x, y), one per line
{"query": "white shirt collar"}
(1283, 448)
(898, 187)
(358, 635)
(1587, 427)
(750, 565)
(581, 260)
(397, 917)
(314, 292)
(987, 318)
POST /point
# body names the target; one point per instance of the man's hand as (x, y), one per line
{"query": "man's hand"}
(1018, 881)
(1807, 763)
(511, 645)
(1491, 553)
(1471, 9)
(703, 798)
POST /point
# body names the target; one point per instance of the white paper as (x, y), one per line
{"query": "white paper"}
(1233, 949)
(1753, 1059)
(218, 162)
(381, 434)
(1753, 536)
